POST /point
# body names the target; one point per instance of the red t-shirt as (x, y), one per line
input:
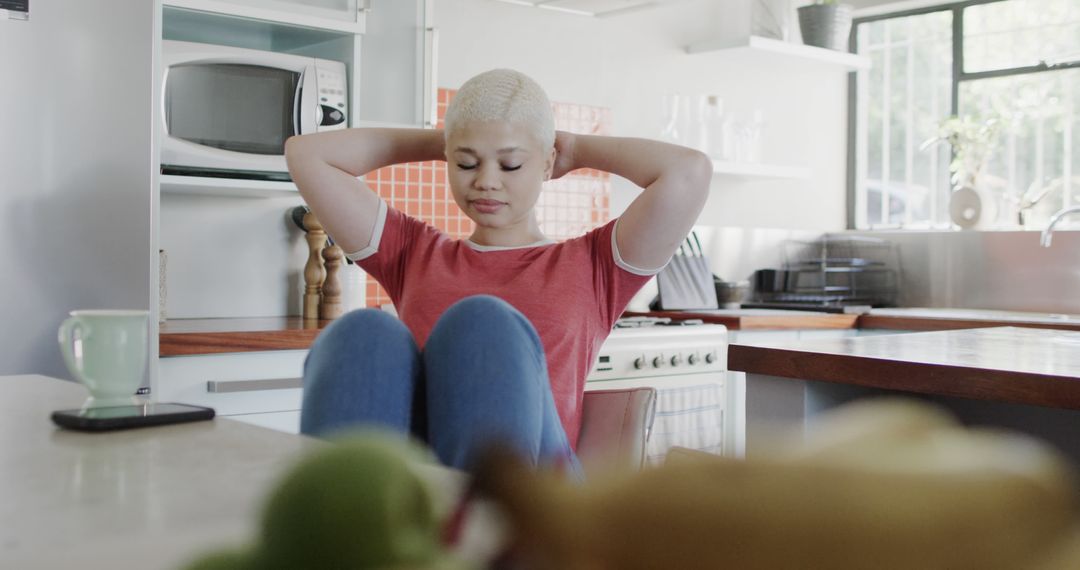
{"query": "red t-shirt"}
(572, 292)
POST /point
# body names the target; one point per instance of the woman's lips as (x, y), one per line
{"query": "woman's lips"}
(487, 206)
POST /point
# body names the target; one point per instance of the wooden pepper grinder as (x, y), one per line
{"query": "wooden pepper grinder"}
(314, 273)
(331, 307)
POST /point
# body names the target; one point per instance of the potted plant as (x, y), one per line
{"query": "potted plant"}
(826, 24)
(973, 140)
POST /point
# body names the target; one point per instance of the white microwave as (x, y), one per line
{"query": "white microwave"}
(227, 111)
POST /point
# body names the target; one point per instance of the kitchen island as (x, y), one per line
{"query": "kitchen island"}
(1025, 379)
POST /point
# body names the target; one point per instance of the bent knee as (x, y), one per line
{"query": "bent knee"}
(483, 315)
(479, 306)
(354, 328)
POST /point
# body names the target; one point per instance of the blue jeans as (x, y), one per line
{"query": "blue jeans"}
(481, 378)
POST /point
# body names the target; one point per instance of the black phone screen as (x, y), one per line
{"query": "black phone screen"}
(121, 417)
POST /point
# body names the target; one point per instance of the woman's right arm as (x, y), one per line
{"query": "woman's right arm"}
(326, 168)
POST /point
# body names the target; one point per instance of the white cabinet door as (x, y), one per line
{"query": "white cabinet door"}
(398, 70)
(232, 384)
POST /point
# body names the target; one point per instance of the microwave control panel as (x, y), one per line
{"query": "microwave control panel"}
(333, 93)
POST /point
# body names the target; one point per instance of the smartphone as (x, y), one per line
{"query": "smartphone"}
(125, 417)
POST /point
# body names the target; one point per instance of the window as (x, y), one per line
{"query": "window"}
(1010, 70)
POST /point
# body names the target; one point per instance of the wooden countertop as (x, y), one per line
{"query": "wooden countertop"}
(1007, 364)
(890, 319)
(183, 337)
(760, 319)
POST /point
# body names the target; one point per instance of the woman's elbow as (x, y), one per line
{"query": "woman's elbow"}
(294, 145)
(699, 170)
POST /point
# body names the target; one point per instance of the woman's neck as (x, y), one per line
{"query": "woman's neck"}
(526, 233)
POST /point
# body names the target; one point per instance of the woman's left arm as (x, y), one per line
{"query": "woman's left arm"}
(676, 182)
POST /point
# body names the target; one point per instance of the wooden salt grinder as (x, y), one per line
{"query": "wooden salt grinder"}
(314, 274)
(331, 307)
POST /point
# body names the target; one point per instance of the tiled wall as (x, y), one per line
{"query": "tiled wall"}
(568, 207)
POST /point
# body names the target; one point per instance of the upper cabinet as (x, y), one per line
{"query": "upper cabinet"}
(340, 15)
(397, 78)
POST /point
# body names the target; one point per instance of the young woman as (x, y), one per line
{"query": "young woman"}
(497, 332)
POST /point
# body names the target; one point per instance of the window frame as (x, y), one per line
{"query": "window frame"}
(958, 76)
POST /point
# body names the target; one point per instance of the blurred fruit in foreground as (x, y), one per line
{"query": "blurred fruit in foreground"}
(353, 504)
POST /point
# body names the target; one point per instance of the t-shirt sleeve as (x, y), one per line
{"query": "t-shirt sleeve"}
(616, 281)
(393, 238)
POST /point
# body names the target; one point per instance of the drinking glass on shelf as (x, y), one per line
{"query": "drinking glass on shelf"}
(670, 130)
(715, 123)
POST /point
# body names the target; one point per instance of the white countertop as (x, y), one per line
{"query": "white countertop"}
(142, 498)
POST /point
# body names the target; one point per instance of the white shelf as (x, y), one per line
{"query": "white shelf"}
(756, 171)
(234, 187)
(756, 44)
(281, 12)
(594, 8)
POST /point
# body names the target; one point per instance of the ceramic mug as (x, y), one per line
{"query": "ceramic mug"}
(110, 358)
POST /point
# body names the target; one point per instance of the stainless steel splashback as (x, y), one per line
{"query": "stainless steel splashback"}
(988, 270)
(963, 270)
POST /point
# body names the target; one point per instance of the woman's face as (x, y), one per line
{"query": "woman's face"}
(496, 170)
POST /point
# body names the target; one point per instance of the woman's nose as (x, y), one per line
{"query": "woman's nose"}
(488, 178)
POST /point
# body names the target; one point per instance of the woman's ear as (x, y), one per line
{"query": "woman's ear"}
(549, 164)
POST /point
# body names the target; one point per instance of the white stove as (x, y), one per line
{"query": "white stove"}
(696, 406)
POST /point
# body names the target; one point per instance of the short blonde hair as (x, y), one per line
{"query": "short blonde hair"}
(503, 95)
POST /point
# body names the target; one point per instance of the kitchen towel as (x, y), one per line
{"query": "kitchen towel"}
(690, 416)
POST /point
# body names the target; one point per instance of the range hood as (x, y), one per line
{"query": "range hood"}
(594, 8)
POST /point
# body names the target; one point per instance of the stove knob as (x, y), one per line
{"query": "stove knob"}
(658, 362)
(692, 359)
(710, 358)
(676, 360)
(639, 362)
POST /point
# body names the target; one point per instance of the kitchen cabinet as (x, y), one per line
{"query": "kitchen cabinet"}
(1023, 379)
(343, 15)
(261, 388)
(388, 47)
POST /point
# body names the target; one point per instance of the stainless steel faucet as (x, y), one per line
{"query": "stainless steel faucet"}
(1048, 233)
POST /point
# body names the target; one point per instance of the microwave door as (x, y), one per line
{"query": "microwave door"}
(307, 102)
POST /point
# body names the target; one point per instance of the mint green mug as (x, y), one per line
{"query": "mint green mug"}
(106, 351)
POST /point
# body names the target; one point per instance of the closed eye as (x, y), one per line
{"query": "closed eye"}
(466, 166)
(510, 168)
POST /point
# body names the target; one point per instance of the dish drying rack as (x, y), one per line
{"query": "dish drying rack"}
(839, 270)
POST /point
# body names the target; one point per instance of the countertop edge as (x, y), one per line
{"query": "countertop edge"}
(1019, 387)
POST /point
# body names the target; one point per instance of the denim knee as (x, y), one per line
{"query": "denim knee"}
(357, 329)
(498, 317)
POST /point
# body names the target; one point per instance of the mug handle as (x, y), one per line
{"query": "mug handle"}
(67, 340)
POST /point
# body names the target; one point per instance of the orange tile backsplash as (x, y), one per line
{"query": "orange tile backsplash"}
(568, 207)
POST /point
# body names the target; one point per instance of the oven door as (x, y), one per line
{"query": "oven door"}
(690, 412)
(228, 111)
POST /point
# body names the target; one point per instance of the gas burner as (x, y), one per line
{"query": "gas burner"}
(639, 322)
(643, 322)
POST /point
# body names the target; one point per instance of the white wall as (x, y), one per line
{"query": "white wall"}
(77, 164)
(628, 62)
